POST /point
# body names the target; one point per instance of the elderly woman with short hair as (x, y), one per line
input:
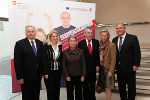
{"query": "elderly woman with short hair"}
(107, 53)
(74, 69)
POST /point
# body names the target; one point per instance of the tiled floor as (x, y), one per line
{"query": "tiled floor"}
(115, 96)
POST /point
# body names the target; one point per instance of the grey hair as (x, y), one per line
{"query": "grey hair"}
(29, 26)
(121, 24)
(88, 27)
(105, 30)
(72, 36)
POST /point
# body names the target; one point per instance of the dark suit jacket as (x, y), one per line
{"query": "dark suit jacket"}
(129, 55)
(27, 65)
(48, 58)
(91, 61)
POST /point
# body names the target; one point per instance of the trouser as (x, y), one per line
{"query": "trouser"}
(31, 90)
(53, 85)
(130, 80)
(89, 90)
(76, 84)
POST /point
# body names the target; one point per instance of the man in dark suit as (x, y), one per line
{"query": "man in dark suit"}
(127, 62)
(28, 64)
(90, 47)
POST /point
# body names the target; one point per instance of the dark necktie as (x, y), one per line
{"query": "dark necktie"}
(120, 43)
(90, 47)
(34, 49)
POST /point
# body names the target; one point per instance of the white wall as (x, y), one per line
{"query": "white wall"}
(4, 8)
(116, 11)
(142, 32)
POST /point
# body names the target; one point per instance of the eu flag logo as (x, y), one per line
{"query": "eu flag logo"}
(67, 8)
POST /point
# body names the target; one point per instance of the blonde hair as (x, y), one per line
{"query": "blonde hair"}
(48, 41)
(40, 30)
(106, 31)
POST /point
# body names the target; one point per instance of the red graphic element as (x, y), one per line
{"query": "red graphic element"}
(93, 26)
(16, 87)
(90, 9)
(14, 2)
(19, 3)
(79, 34)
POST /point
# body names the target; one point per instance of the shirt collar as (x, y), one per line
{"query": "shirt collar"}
(88, 40)
(65, 27)
(124, 35)
(31, 40)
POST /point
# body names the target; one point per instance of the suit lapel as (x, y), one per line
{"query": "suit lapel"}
(93, 46)
(124, 42)
(116, 42)
(86, 47)
(37, 46)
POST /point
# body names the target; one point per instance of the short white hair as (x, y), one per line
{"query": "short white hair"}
(29, 26)
(88, 27)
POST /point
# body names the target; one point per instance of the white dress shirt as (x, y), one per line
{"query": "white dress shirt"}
(88, 42)
(123, 37)
(33, 42)
(55, 56)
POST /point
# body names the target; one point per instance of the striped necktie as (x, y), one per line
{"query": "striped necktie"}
(34, 49)
(120, 43)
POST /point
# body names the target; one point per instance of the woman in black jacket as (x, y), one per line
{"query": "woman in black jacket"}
(52, 65)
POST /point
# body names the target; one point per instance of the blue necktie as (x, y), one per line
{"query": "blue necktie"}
(34, 49)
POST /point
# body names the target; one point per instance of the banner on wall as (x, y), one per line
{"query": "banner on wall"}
(66, 17)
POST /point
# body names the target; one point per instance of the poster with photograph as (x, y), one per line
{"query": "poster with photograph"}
(66, 17)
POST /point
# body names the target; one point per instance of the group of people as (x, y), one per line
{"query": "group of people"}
(79, 64)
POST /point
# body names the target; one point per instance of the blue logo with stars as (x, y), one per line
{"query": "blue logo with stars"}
(67, 8)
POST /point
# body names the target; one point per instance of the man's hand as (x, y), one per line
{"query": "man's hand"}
(135, 68)
(46, 76)
(68, 78)
(21, 81)
(97, 68)
(110, 74)
(82, 78)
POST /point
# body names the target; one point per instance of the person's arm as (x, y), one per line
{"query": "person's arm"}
(18, 63)
(83, 66)
(113, 60)
(79, 45)
(45, 61)
(64, 67)
(60, 58)
(48, 17)
(137, 53)
(29, 16)
(97, 56)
